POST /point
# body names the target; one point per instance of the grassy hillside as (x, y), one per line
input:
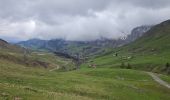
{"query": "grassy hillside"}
(24, 83)
(150, 52)
(28, 58)
(24, 77)
(5, 46)
(43, 60)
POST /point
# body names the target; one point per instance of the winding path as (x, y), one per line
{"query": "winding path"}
(157, 79)
(54, 69)
(58, 67)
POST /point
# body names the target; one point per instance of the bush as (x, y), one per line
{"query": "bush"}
(129, 66)
(167, 65)
(167, 68)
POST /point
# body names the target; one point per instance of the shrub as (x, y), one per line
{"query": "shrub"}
(129, 66)
(167, 65)
(167, 68)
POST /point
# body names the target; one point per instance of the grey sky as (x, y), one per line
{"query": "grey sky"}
(77, 19)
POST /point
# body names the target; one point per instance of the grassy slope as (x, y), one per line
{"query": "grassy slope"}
(151, 52)
(17, 81)
(53, 60)
(32, 59)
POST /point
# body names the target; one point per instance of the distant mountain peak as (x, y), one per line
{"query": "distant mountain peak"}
(137, 33)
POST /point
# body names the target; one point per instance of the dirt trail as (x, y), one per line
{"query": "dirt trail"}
(58, 67)
(54, 69)
(157, 79)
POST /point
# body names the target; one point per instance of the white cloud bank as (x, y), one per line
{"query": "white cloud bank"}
(77, 19)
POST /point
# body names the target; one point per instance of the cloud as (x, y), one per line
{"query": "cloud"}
(78, 19)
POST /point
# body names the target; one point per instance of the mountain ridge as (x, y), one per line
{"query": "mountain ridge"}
(89, 48)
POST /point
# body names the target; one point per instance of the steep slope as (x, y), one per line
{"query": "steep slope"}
(150, 52)
(157, 38)
(137, 33)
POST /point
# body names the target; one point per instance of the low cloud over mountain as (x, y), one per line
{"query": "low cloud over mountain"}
(77, 19)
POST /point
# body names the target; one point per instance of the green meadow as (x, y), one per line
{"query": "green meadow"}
(18, 82)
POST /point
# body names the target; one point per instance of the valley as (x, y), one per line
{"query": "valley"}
(138, 70)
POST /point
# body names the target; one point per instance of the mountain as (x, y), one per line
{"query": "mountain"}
(156, 39)
(137, 33)
(72, 47)
(149, 52)
(33, 43)
(83, 48)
